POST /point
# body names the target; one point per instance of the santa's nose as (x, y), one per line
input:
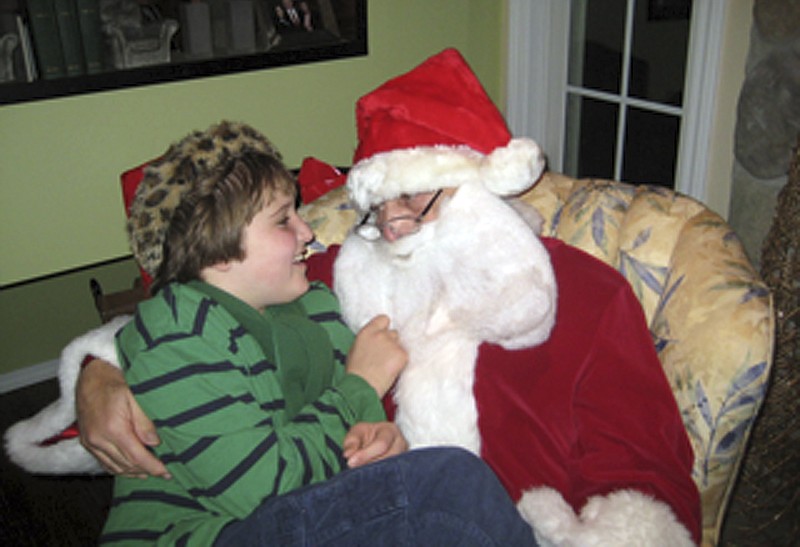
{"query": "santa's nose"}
(388, 214)
(392, 231)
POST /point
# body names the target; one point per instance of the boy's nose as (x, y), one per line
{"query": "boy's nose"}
(304, 232)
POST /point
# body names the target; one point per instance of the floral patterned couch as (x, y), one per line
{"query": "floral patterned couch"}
(709, 312)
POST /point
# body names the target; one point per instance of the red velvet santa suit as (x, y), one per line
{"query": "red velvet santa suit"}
(589, 412)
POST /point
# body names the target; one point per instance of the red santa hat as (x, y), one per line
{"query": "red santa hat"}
(436, 127)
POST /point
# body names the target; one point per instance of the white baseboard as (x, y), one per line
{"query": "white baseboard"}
(28, 376)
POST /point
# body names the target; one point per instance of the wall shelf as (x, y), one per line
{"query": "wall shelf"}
(348, 39)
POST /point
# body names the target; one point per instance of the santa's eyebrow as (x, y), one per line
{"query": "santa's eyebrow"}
(406, 197)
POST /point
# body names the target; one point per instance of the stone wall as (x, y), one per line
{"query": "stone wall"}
(768, 120)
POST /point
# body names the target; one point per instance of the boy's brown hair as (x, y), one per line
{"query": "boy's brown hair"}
(199, 195)
(207, 226)
(176, 174)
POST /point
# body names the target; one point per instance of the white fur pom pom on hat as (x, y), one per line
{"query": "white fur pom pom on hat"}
(513, 168)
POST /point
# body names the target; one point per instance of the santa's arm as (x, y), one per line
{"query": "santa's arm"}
(634, 468)
(47, 442)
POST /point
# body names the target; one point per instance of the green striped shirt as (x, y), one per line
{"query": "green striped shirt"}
(247, 405)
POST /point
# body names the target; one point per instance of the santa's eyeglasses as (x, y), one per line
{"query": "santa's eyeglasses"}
(401, 225)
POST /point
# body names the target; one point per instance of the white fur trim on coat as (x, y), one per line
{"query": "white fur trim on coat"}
(506, 171)
(625, 518)
(23, 440)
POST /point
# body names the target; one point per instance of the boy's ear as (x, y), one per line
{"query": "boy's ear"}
(209, 273)
(221, 266)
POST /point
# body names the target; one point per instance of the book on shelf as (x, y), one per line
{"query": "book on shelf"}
(47, 43)
(28, 57)
(241, 26)
(17, 63)
(91, 34)
(195, 25)
(69, 33)
(10, 52)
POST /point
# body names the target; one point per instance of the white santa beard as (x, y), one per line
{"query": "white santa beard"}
(435, 402)
(435, 405)
(478, 273)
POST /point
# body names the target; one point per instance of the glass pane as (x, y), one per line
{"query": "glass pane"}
(651, 148)
(658, 56)
(590, 137)
(597, 31)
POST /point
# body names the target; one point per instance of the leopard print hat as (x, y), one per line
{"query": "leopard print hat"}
(168, 179)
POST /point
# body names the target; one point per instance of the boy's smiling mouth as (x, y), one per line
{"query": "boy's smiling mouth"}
(301, 256)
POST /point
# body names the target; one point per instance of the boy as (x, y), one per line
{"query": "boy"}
(249, 375)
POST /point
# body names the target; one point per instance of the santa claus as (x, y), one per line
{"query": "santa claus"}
(538, 385)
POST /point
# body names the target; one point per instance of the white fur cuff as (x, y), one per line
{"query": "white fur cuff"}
(625, 518)
(24, 439)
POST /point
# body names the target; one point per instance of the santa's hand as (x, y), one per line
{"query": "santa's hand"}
(112, 425)
(377, 355)
(369, 442)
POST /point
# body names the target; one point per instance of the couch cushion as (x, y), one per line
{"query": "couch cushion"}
(330, 216)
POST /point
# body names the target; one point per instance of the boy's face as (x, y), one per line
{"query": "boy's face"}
(273, 270)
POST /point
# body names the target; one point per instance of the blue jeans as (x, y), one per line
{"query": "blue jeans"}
(433, 496)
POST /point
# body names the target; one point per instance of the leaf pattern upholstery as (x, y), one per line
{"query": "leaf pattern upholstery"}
(709, 312)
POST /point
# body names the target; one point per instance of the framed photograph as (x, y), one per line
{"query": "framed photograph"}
(141, 42)
(663, 10)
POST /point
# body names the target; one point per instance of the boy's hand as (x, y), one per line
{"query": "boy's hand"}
(377, 355)
(369, 442)
(112, 425)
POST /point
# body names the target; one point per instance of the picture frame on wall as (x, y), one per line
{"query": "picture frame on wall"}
(207, 38)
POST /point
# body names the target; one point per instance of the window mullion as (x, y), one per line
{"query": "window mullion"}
(624, 85)
(629, 101)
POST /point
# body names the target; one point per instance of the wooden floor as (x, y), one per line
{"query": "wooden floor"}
(44, 510)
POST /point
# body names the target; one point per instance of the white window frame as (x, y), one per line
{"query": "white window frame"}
(537, 83)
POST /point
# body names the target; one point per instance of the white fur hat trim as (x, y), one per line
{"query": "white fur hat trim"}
(506, 171)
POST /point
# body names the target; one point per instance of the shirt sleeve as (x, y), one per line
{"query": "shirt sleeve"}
(629, 430)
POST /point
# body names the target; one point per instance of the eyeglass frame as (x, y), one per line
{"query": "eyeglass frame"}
(364, 226)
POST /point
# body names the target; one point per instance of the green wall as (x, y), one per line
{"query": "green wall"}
(60, 159)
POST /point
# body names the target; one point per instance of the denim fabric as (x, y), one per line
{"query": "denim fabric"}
(433, 496)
